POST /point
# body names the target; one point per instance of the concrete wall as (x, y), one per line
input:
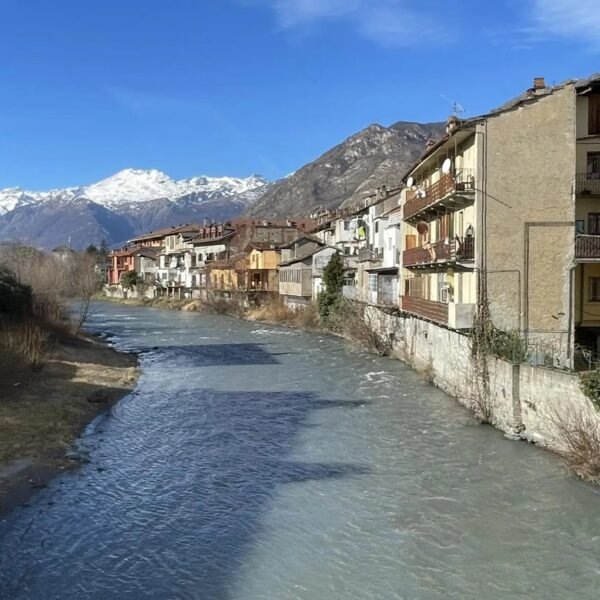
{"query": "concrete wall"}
(529, 164)
(524, 400)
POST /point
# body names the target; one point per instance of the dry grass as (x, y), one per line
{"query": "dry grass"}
(275, 310)
(42, 412)
(580, 437)
(355, 322)
(27, 339)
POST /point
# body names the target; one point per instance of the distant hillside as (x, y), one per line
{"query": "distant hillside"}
(373, 157)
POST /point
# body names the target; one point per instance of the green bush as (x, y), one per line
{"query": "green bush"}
(130, 279)
(15, 298)
(590, 386)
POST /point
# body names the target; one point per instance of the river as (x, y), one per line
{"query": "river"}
(256, 462)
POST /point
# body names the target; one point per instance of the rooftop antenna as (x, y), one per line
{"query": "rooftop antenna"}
(458, 110)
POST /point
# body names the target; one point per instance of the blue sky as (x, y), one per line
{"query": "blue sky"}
(234, 87)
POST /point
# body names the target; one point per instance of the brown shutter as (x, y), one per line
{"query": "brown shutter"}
(594, 114)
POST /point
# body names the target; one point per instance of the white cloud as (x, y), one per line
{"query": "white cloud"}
(388, 22)
(575, 19)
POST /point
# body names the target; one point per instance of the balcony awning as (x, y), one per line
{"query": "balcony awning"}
(383, 270)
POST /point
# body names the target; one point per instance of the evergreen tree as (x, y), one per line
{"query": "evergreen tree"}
(333, 278)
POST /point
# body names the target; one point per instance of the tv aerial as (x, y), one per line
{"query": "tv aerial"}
(458, 110)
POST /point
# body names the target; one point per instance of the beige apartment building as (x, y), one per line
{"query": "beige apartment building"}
(507, 207)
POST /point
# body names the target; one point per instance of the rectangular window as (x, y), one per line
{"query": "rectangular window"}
(373, 282)
(593, 165)
(594, 223)
(580, 226)
(594, 114)
(594, 289)
(346, 225)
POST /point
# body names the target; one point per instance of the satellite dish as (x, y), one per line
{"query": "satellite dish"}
(422, 227)
(446, 166)
(410, 182)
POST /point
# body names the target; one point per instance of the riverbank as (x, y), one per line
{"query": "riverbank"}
(42, 411)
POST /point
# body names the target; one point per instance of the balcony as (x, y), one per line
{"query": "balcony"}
(440, 252)
(587, 247)
(587, 184)
(427, 309)
(452, 191)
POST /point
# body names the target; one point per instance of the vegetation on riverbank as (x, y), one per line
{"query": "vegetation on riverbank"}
(54, 379)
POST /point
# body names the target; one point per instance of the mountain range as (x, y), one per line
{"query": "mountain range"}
(117, 208)
(134, 201)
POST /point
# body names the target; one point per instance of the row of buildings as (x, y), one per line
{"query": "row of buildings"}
(502, 211)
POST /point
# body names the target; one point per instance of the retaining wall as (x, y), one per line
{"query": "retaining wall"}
(523, 400)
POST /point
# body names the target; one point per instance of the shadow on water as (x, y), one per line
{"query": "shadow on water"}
(186, 479)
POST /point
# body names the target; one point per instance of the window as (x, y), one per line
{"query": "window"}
(580, 226)
(594, 289)
(346, 225)
(594, 114)
(347, 250)
(373, 282)
(593, 165)
(594, 223)
(376, 226)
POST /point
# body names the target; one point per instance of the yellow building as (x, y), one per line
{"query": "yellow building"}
(439, 231)
(263, 263)
(229, 274)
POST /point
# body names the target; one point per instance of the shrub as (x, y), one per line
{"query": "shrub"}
(580, 436)
(129, 279)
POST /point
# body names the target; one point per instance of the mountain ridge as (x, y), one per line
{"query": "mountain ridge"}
(375, 156)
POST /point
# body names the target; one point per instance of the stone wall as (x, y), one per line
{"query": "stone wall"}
(523, 400)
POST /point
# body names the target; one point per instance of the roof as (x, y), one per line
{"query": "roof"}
(310, 238)
(298, 259)
(165, 231)
(63, 249)
(529, 96)
(207, 241)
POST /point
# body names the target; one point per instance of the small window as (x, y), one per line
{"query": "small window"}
(594, 114)
(594, 289)
(593, 165)
(373, 282)
(580, 226)
(346, 225)
(594, 223)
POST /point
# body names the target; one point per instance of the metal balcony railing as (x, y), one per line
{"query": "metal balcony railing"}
(588, 183)
(428, 195)
(587, 246)
(442, 251)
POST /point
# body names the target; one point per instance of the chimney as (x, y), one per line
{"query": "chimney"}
(539, 83)
(430, 143)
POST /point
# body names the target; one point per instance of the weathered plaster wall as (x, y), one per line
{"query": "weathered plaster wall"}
(524, 186)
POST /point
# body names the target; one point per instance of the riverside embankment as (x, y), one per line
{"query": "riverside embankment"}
(44, 409)
(254, 461)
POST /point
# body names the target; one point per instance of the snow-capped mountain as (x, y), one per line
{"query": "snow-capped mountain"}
(128, 203)
(137, 185)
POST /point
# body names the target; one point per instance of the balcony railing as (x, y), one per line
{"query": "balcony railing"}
(428, 309)
(442, 251)
(447, 186)
(588, 184)
(587, 246)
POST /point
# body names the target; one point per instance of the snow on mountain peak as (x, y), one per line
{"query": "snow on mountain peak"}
(139, 185)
